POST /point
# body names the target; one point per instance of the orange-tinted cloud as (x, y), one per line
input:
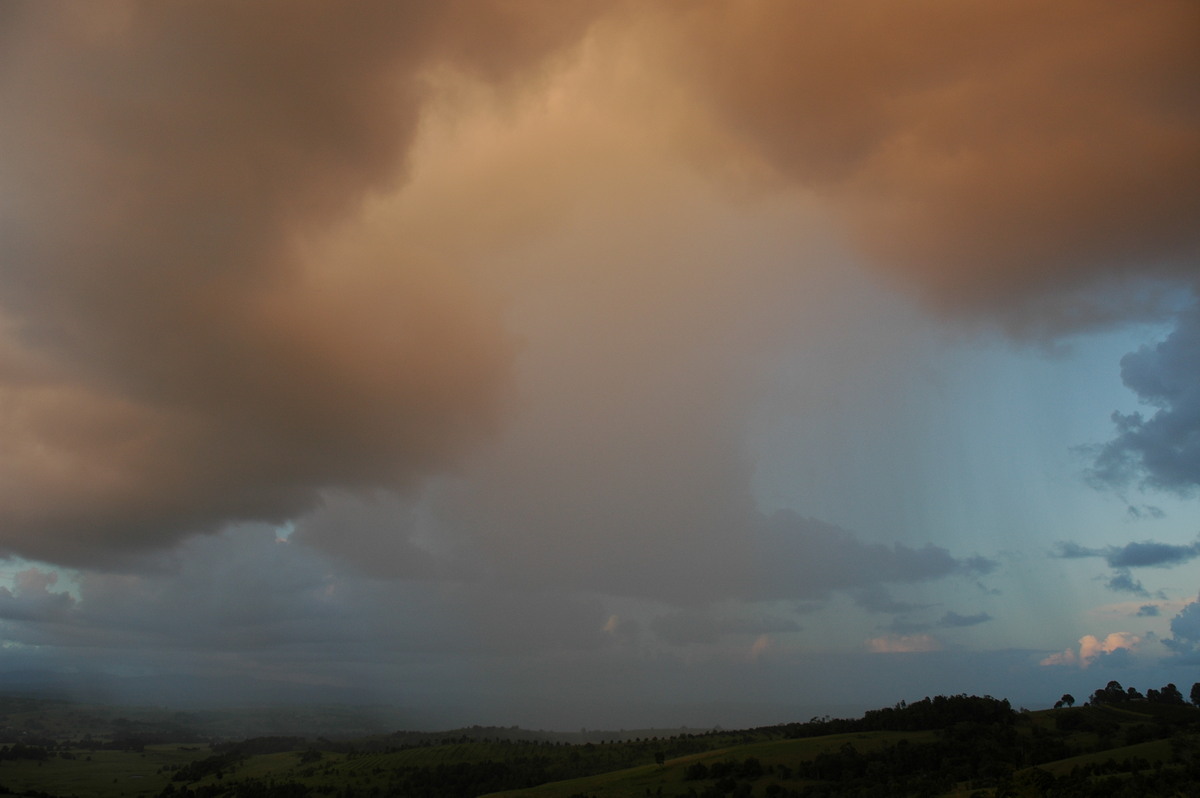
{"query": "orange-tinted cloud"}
(1092, 648)
(988, 153)
(181, 344)
(182, 349)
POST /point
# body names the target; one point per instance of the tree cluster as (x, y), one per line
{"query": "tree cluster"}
(1169, 694)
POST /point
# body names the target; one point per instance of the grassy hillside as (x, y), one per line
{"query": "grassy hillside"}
(776, 760)
(946, 746)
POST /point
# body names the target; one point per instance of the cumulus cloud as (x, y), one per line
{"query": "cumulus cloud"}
(1122, 581)
(1162, 450)
(32, 598)
(192, 333)
(992, 155)
(1115, 648)
(181, 347)
(1185, 634)
(476, 297)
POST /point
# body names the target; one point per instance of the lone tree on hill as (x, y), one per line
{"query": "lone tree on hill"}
(1068, 699)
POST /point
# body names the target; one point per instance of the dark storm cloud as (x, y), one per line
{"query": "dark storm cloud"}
(804, 558)
(187, 339)
(32, 598)
(177, 350)
(246, 602)
(1185, 634)
(1149, 553)
(376, 535)
(1120, 658)
(952, 620)
(1122, 581)
(1143, 554)
(1163, 450)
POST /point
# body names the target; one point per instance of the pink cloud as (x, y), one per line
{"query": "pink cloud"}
(1092, 647)
(762, 644)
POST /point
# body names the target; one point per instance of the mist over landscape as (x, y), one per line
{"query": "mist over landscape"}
(598, 364)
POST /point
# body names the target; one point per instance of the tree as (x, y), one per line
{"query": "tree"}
(1196, 694)
(1068, 699)
(1171, 695)
(659, 757)
(1112, 693)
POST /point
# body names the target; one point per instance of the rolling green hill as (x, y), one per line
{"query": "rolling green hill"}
(1117, 745)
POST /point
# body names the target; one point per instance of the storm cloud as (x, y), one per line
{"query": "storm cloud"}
(184, 347)
(995, 156)
(1163, 450)
(492, 343)
(1143, 554)
(181, 348)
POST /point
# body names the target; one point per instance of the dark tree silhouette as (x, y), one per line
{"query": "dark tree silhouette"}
(1112, 693)
(1171, 695)
(1195, 695)
(1068, 699)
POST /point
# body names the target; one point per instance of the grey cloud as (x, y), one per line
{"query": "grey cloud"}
(1148, 611)
(1071, 551)
(375, 533)
(1122, 581)
(1143, 554)
(1149, 553)
(1163, 450)
(952, 620)
(1145, 511)
(698, 626)
(245, 602)
(802, 557)
(32, 599)
(877, 599)
(901, 626)
(1120, 658)
(1185, 634)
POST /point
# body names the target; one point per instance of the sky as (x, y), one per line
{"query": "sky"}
(601, 364)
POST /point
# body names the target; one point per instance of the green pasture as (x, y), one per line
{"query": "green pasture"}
(100, 774)
(633, 782)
